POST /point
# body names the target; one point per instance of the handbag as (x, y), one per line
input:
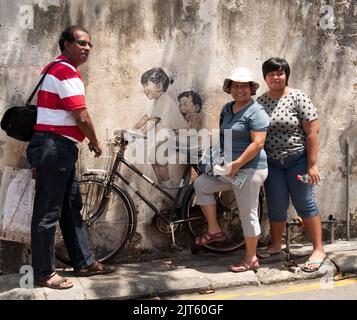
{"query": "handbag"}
(18, 121)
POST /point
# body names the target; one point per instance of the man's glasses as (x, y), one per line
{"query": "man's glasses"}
(84, 43)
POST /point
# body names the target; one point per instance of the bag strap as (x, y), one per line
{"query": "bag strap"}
(41, 80)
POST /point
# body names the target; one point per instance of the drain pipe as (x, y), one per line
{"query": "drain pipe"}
(348, 187)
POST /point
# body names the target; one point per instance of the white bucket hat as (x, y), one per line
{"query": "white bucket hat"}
(240, 75)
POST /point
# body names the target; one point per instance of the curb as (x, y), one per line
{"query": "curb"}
(184, 274)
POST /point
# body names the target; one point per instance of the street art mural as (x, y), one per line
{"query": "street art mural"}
(165, 119)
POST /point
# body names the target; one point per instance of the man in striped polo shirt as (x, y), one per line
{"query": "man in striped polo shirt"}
(62, 121)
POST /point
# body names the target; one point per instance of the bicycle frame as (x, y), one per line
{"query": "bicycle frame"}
(175, 216)
(114, 173)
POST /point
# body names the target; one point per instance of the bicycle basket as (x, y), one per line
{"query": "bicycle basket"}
(89, 164)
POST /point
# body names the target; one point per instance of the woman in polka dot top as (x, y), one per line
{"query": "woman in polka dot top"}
(292, 149)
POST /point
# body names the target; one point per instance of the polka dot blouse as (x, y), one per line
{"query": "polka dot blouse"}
(285, 134)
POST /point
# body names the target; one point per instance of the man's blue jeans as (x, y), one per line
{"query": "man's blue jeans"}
(57, 199)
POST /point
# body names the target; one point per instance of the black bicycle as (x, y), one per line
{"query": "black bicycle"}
(110, 216)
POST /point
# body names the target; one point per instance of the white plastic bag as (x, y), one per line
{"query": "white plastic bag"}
(18, 207)
(211, 156)
(8, 175)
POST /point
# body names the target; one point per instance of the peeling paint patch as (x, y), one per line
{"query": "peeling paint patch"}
(47, 22)
(1, 149)
(233, 5)
(97, 10)
(163, 16)
(125, 18)
(182, 15)
(229, 14)
(350, 135)
(4, 76)
(187, 18)
(45, 4)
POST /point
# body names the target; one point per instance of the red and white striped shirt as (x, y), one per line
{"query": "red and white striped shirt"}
(61, 92)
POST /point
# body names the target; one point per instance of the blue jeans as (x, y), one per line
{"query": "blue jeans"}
(57, 199)
(281, 183)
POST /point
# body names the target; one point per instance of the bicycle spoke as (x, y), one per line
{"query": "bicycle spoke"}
(111, 226)
(228, 219)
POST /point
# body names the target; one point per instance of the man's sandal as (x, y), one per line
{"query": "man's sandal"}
(55, 281)
(94, 269)
(210, 237)
(244, 266)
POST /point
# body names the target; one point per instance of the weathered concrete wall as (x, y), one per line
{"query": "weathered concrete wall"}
(197, 42)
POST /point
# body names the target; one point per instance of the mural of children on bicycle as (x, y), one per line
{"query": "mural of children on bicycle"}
(163, 116)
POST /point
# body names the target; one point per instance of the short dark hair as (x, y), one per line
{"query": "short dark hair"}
(276, 64)
(156, 75)
(196, 98)
(68, 35)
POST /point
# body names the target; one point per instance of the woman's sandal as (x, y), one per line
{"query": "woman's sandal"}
(265, 254)
(244, 266)
(210, 237)
(55, 281)
(94, 269)
(307, 267)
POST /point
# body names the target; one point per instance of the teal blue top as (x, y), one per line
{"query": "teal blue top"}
(251, 118)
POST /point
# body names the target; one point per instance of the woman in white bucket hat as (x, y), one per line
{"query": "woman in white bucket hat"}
(240, 75)
(243, 128)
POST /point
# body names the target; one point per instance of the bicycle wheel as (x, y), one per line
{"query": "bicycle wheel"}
(227, 216)
(113, 227)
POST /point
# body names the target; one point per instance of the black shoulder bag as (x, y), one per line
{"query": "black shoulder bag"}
(18, 121)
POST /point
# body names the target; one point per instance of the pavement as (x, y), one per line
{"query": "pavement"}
(185, 273)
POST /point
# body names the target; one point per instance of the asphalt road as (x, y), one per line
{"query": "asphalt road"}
(321, 289)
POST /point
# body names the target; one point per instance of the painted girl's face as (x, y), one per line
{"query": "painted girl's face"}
(152, 90)
(187, 108)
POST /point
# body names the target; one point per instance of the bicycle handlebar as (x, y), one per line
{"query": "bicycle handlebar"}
(123, 136)
(135, 134)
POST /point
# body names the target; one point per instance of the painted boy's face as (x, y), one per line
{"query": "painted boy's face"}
(187, 108)
(152, 90)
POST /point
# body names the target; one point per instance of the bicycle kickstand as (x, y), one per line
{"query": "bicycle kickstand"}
(173, 243)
